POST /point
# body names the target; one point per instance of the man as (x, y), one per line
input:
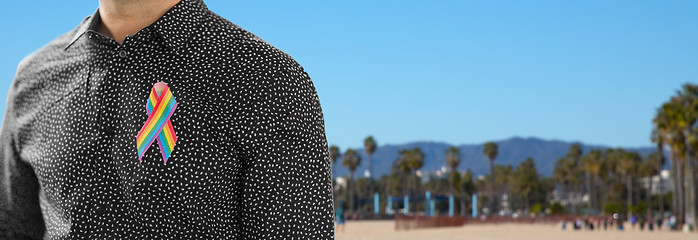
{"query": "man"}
(158, 119)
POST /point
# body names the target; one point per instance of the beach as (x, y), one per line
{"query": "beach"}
(385, 230)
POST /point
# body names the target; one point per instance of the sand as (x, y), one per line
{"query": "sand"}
(385, 230)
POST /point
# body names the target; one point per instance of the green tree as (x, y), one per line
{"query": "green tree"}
(627, 166)
(402, 167)
(651, 167)
(334, 155)
(370, 147)
(453, 159)
(415, 161)
(526, 181)
(687, 99)
(467, 188)
(591, 164)
(490, 150)
(351, 161)
(658, 139)
(411, 160)
(566, 174)
(674, 125)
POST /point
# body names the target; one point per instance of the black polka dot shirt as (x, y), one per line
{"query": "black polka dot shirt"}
(250, 160)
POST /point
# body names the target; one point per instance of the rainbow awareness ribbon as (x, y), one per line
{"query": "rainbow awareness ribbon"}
(158, 126)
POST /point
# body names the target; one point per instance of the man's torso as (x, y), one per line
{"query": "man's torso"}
(82, 107)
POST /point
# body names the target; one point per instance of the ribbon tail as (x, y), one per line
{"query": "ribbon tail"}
(165, 149)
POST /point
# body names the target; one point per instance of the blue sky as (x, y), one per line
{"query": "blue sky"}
(451, 71)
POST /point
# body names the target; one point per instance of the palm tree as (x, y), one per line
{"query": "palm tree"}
(575, 155)
(591, 164)
(564, 177)
(467, 188)
(687, 99)
(351, 160)
(415, 161)
(453, 159)
(526, 180)
(675, 126)
(657, 138)
(567, 173)
(490, 152)
(370, 148)
(402, 167)
(335, 153)
(667, 132)
(650, 168)
(409, 161)
(627, 166)
(575, 152)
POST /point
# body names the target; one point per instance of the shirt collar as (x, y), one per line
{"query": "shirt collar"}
(175, 26)
(88, 23)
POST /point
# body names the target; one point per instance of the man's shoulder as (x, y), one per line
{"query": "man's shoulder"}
(31, 78)
(236, 46)
(50, 52)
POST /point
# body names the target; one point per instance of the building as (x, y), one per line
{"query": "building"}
(667, 184)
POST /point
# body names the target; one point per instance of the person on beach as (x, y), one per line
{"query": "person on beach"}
(660, 222)
(339, 217)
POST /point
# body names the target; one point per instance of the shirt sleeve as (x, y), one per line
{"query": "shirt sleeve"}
(287, 188)
(20, 212)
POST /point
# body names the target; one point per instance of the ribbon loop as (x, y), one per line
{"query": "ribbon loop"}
(159, 108)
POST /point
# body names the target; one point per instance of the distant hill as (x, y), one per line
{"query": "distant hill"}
(511, 151)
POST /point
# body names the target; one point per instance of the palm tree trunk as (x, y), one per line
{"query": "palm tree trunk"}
(593, 193)
(404, 186)
(636, 194)
(528, 203)
(371, 190)
(563, 193)
(492, 201)
(675, 185)
(462, 204)
(690, 191)
(577, 197)
(648, 197)
(351, 191)
(630, 196)
(587, 184)
(414, 189)
(660, 186)
(603, 198)
(680, 190)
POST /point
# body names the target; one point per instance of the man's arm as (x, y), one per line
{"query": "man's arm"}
(20, 213)
(287, 187)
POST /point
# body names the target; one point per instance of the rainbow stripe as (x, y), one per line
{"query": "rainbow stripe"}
(158, 125)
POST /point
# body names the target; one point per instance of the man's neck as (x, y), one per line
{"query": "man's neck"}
(121, 18)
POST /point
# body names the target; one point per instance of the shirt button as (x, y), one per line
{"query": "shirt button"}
(123, 53)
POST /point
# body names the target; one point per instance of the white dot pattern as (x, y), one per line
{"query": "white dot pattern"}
(251, 160)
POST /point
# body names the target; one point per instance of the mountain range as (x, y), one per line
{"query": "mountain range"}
(511, 151)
